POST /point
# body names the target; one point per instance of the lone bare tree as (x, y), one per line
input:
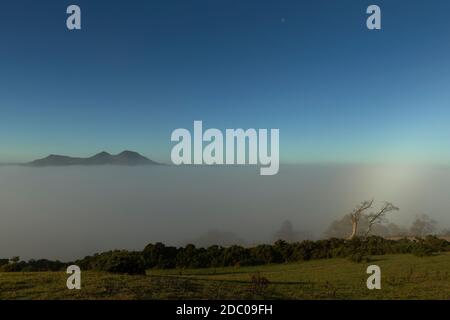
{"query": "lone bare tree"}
(373, 218)
(423, 226)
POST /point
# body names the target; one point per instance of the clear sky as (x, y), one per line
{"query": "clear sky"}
(140, 69)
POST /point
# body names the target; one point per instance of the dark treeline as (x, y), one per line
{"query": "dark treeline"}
(42, 265)
(160, 256)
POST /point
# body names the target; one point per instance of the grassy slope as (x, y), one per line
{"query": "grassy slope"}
(403, 277)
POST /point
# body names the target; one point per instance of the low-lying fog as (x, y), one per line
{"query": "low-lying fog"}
(69, 212)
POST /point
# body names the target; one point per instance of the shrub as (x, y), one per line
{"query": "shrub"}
(359, 257)
(13, 267)
(436, 244)
(191, 257)
(422, 250)
(160, 256)
(115, 262)
(236, 256)
(130, 263)
(265, 254)
(303, 251)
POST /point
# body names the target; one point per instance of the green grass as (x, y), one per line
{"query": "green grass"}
(403, 277)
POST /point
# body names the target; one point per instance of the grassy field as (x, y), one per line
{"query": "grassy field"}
(403, 277)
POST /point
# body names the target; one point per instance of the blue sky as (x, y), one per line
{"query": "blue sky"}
(140, 69)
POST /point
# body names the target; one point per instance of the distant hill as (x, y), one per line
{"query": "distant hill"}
(125, 158)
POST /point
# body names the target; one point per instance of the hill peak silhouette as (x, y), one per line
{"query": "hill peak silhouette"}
(125, 158)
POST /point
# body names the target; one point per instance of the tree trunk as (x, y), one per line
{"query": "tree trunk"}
(369, 229)
(354, 229)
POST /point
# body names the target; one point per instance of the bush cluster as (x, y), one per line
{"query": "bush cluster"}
(118, 261)
(160, 256)
(41, 265)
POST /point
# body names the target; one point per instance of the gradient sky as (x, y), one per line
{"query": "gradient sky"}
(140, 69)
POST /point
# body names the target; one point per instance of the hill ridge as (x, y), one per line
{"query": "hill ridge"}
(124, 158)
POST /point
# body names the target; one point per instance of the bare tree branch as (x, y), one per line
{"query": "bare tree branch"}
(378, 217)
